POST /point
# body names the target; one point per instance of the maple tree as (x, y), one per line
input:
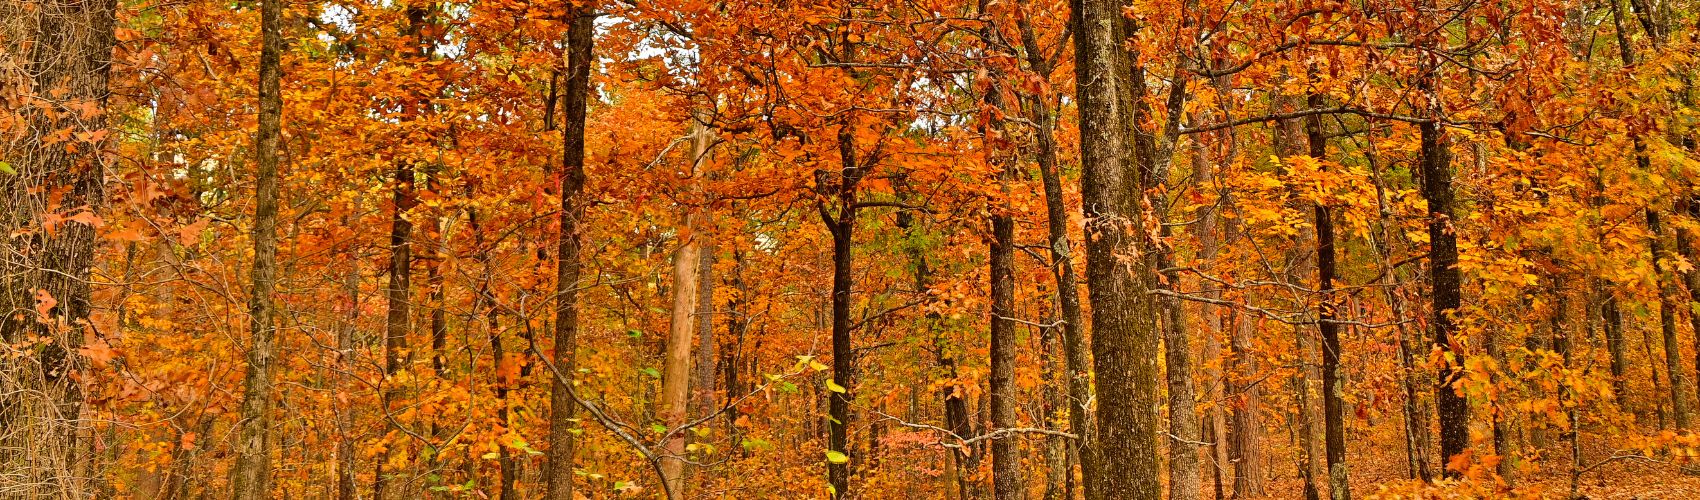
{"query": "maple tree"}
(1097, 249)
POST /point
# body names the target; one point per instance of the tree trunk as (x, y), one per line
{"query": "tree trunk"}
(1436, 166)
(1123, 318)
(580, 38)
(345, 345)
(62, 51)
(1334, 408)
(398, 302)
(251, 476)
(1006, 481)
(1245, 448)
(1691, 278)
(1207, 232)
(843, 228)
(1062, 264)
(1006, 459)
(1679, 410)
(687, 299)
(1674, 373)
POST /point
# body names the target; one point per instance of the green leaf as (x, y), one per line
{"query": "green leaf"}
(658, 428)
(653, 373)
(834, 387)
(836, 457)
(6, 168)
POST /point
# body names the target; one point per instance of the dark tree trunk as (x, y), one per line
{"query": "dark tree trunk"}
(1436, 165)
(1062, 264)
(843, 228)
(398, 303)
(1691, 278)
(1334, 409)
(580, 40)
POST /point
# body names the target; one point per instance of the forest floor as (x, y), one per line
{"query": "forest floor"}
(1379, 466)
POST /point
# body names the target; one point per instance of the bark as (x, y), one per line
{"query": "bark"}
(687, 274)
(1118, 278)
(703, 380)
(1183, 414)
(1691, 277)
(1207, 233)
(397, 299)
(345, 345)
(61, 49)
(1334, 408)
(1288, 140)
(1612, 318)
(1416, 424)
(1006, 483)
(1062, 265)
(1006, 459)
(1245, 442)
(1680, 410)
(558, 474)
(251, 476)
(507, 469)
(843, 227)
(1447, 294)
(398, 291)
(737, 324)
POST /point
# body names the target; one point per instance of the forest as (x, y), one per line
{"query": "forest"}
(849, 249)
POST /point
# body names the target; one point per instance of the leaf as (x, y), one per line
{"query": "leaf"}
(6, 168)
(834, 387)
(836, 457)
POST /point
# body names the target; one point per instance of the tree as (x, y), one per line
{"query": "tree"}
(253, 462)
(580, 39)
(58, 56)
(1117, 276)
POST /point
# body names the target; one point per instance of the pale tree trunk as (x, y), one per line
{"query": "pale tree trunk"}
(687, 274)
(1416, 421)
(559, 472)
(251, 477)
(1288, 139)
(703, 381)
(345, 345)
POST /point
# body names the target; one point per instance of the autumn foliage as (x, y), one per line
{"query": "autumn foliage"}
(1096, 249)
